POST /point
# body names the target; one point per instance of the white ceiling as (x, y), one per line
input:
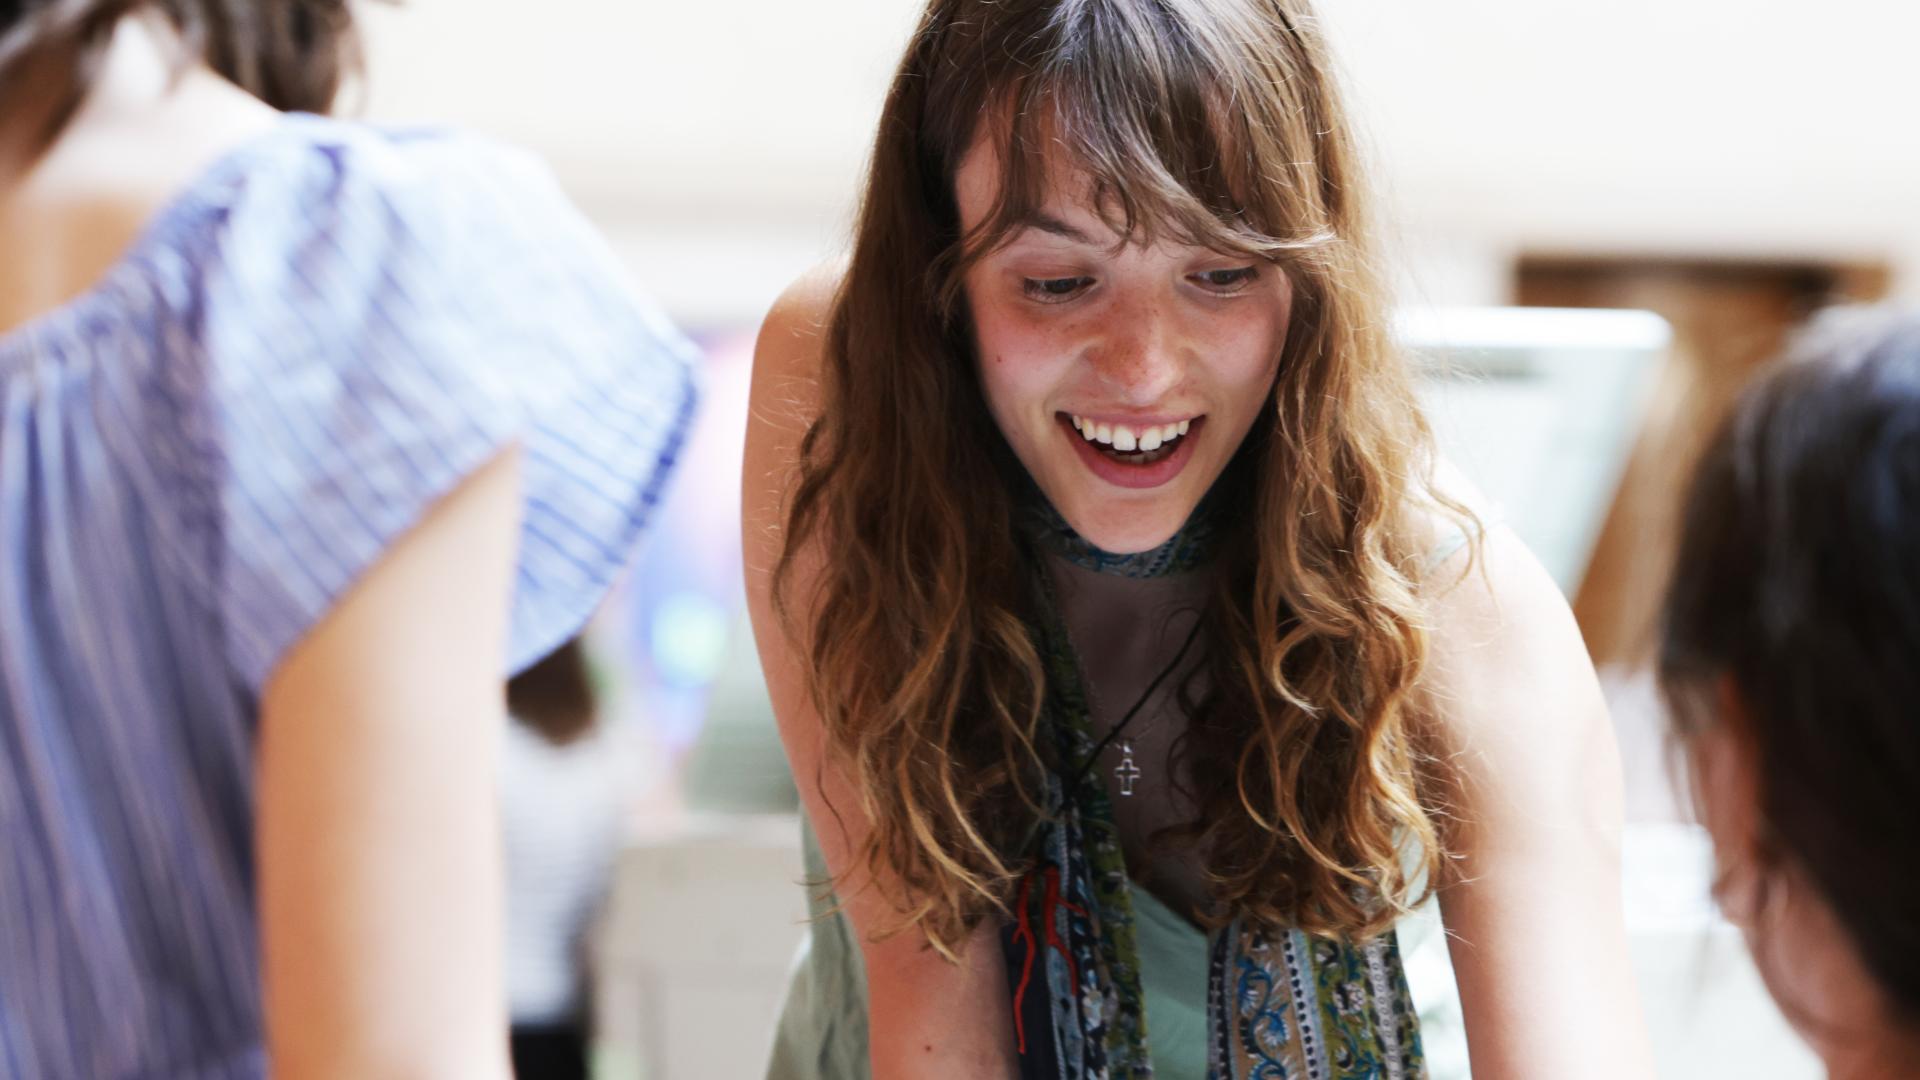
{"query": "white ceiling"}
(1746, 127)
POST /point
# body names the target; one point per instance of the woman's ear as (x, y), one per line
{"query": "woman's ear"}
(1727, 799)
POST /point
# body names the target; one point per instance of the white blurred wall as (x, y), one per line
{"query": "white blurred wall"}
(1746, 126)
(718, 144)
(721, 142)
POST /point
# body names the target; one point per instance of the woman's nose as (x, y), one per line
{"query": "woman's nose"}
(1139, 359)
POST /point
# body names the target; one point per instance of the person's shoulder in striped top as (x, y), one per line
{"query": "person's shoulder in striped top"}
(357, 411)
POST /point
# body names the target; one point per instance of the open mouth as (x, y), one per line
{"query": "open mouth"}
(1129, 444)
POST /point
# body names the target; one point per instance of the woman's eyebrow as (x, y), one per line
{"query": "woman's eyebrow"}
(1044, 222)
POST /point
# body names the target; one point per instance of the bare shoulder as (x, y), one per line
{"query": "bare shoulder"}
(782, 404)
(1496, 597)
(1503, 636)
(1517, 708)
(1445, 511)
(784, 397)
(795, 328)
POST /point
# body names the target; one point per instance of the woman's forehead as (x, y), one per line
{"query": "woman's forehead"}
(1058, 189)
(1057, 197)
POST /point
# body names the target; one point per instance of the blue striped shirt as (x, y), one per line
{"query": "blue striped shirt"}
(303, 351)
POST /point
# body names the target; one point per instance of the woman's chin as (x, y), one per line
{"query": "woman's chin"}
(1128, 533)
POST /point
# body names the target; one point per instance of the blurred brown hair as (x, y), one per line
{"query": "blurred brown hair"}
(291, 54)
(555, 696)
(1798, 582)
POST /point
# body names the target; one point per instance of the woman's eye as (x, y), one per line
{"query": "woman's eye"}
(1229, 280)
(1054, 290)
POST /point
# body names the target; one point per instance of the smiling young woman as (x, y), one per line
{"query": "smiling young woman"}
(1121, 639)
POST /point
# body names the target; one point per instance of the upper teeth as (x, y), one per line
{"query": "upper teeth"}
(1127, 438)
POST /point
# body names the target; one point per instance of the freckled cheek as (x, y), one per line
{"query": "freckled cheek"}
(1020, 369)
(1245, 355)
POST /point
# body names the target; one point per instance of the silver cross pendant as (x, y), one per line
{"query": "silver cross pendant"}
(1127, 771)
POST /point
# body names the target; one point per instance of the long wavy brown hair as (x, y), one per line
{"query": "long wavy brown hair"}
(1212, 122)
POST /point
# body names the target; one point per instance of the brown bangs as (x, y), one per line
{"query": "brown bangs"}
(1165, 132)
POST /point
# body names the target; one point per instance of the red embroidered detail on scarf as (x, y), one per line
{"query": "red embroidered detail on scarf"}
(1050, 902)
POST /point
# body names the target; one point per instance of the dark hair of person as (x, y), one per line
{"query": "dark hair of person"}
(555, 696)
(291, 54)
(1798, 583)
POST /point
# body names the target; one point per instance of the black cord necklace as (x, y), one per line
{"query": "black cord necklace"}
(1128, 771)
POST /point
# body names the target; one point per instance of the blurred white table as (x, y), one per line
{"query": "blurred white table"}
(693, 951)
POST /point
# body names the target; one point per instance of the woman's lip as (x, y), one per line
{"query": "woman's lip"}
(1156, 420)
(1133, 476)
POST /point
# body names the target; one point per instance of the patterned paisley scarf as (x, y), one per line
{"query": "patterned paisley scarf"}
(1280, 1004)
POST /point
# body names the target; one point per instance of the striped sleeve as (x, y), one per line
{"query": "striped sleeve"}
(378, 320)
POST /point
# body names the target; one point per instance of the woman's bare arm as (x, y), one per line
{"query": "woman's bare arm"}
(927, 1018)
(1537, 932)
(379, 840)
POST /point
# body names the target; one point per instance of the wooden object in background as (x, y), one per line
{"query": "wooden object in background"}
(1728, 318)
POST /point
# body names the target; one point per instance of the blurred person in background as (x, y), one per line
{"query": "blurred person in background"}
(561, 802)
(310, 432)
(1791, 660)
(1139, 664)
